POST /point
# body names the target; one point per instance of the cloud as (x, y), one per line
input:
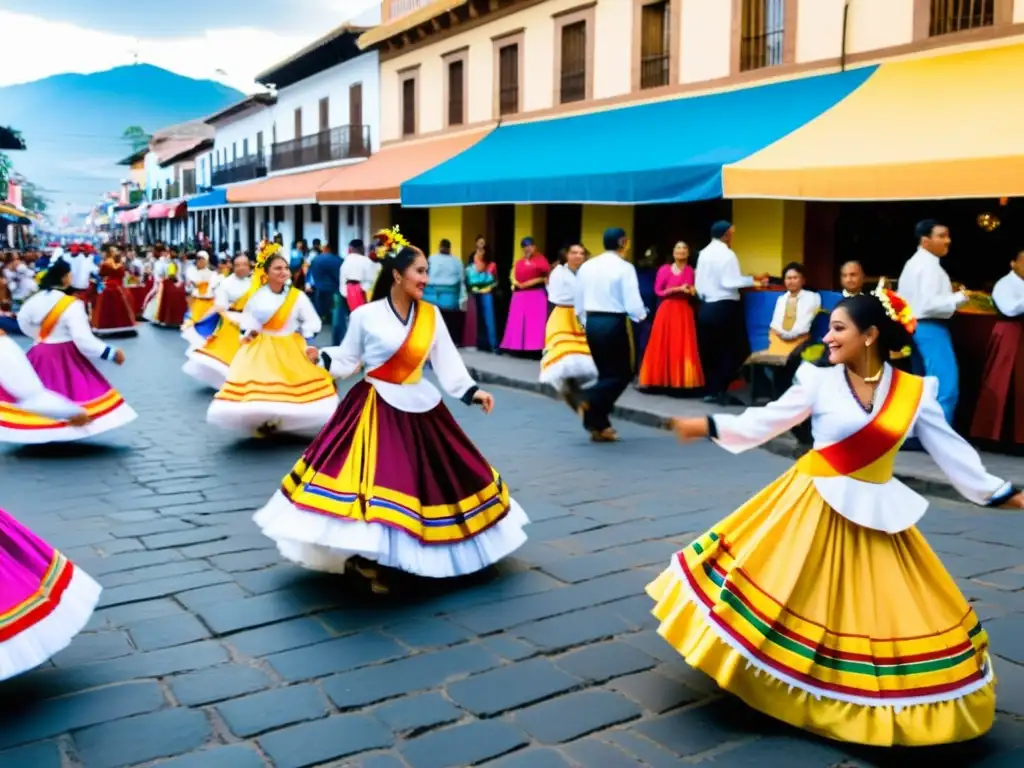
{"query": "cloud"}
(36, 47)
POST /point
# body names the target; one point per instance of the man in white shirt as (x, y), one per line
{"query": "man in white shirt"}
(607, 298)
(721, 328)
(851, 277)
(926, 287)
(1008, 293)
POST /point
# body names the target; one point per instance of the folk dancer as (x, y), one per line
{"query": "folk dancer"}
(209, 363)
(721, 329)
(999, 415)
(271, 386)
(567, 364)
(358, 275)
(392, 481)
(45, 600)
(763, 602)
(927, 288)
(60, 357)
(607, 298)
(200, 286)
(114, 312)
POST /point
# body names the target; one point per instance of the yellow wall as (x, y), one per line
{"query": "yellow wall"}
(531, 221)
(598, 218)
(380, 218)
(460, 225)
(769, 234)
(705, 51)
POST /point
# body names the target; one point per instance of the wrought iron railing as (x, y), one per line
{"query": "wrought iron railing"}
(573, 86)
(242, 169)
(343, 143)
(957, 15)
(508, 100)
(763, 50)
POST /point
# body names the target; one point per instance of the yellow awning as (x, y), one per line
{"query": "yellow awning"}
(944, 127)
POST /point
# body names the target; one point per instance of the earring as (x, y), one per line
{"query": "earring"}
(867, 343)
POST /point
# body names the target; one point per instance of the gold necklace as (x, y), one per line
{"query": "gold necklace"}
(876, 377)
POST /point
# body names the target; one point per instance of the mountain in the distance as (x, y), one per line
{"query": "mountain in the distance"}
(72, 124)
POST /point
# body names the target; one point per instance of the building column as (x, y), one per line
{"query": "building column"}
(460, 225)
(598, 218)
(769, 234)
(530, 221)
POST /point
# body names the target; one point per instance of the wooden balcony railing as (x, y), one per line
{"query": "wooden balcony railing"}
(344, 143)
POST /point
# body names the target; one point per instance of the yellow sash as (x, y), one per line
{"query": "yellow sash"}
(870, 453)
(240, 302)
(278, 319)
(406, 365)
(50, 321)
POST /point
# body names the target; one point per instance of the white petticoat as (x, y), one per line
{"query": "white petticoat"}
(580, 368)
(30, 648)
(293, 418)
(120, 416)
(323, 543)
(205, 370)
(192, 337)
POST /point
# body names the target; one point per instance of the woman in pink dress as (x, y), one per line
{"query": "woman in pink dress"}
(44, 599)
(528, 310)
(672, 360)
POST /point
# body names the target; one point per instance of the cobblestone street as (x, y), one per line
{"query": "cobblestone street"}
(209, 652)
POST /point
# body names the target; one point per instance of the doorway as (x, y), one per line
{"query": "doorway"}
(413, 223)
(564, 227)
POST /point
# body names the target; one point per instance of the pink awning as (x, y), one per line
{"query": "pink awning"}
(172, 209)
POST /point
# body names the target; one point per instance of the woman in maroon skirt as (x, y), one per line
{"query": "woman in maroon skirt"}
(113, 312)
(392, 480)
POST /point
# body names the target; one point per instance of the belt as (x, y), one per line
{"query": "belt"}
(605, 314)
(352, 282)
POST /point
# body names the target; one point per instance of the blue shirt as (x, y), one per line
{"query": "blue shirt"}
(325, 270)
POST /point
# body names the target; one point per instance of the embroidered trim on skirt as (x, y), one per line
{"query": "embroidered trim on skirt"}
(407, 490)
(847, 632)
(44, 600)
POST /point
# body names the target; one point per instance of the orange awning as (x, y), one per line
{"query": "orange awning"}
(378, 180)
(293, 188)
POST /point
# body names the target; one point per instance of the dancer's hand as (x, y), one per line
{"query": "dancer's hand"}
(119, 357)
(485, 400)
(1015, 502)
(249, 336)
(313, 355)
(690, 429)
(80, 420)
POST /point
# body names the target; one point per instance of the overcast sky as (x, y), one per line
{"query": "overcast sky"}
(192, 37)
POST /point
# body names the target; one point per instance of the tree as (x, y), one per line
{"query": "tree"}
(137, 137)
(32, 199)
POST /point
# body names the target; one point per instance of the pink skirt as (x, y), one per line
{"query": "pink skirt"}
(44, 600)
(355, 296)
(527, 319)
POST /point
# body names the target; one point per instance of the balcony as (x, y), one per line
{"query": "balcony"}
(395, 9)
(243, 169)
(344, 143)
(172, 191)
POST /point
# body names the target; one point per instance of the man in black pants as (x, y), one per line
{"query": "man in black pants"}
(607, 298)
(721, 329)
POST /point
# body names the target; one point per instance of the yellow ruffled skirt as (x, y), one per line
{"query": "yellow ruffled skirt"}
(847, 632)
(566, 352)
(199, 308)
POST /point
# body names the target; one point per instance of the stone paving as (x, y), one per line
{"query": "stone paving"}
(209, 652)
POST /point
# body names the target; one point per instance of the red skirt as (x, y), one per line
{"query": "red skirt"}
(999, 414)
(173, 305)
(355, 296)
(672, 360)
(113, 311)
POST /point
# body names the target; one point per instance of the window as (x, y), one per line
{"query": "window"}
(409, 105)
(325, 114)
(456, 97)
(949, 16)
(508, 79)
(655, 44)
(573, 82)
(763, 33)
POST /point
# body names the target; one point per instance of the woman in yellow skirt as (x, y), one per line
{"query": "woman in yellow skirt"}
(271, 385)
(209, 362)
(567, 364)
(818, 602)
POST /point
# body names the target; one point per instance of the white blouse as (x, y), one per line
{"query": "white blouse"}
(808, 304)
(562, 286)
(824, 394)
(1008, 295)
(73, 324)
(195, 276)
(20, 379)
(375, 333)
(228, 291)
(359, 268)
(264, 303)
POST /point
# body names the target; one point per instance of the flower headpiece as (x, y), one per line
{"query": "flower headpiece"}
(389, 241)
(896, 307)
(266, 251)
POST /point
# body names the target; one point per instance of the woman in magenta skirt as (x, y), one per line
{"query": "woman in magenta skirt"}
(528, 310)
(44, 599)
